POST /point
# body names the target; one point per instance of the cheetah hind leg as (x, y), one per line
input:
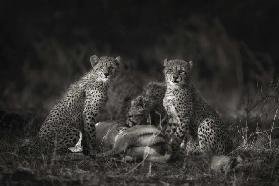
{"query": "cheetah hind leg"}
(211, 137)
(66, 137)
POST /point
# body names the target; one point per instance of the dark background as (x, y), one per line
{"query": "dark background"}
(46, 44)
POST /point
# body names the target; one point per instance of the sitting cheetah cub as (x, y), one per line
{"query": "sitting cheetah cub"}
(190, 118)
(78, 108)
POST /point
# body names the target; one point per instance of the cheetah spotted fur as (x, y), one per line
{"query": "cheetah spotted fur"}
(78, 108)
(190, 119)
(148, 107)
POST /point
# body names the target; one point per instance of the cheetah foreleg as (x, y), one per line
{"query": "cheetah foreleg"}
(89, 133)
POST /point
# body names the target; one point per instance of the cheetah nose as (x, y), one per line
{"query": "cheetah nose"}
(106, 74)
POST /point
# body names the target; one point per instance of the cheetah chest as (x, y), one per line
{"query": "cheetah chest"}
(98, 97)
(170, 106)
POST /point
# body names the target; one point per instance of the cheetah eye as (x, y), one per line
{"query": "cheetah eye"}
(111, 69)
(167, 71)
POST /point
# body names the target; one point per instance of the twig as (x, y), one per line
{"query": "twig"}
(54, 152)
(133, 169)
(272, 128)
(144, 158)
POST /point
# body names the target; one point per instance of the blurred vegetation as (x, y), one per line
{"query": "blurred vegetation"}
(46, 45)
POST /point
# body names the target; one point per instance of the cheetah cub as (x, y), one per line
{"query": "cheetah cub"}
(78, 108)
(190, 118)
(147, 108)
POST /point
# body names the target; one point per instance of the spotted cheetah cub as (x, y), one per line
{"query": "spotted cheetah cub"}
(190, 118)
(78, 108)
(147, 108)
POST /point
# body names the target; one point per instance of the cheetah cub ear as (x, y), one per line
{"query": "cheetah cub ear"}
(190, 64)
(118, 59)
(94, 60)
(165, 62)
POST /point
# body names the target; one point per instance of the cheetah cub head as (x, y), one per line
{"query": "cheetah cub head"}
(137, 113)
(105, 68)
(177, 72)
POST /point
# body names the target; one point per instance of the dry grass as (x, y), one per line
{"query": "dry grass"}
(258, 166)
